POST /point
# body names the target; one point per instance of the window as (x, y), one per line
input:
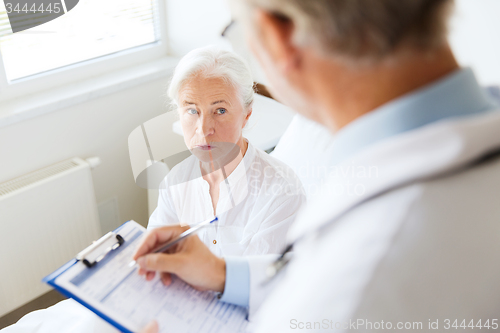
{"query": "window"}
(92, 29)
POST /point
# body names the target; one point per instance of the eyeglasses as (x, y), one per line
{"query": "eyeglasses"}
(232, 24)
(227, 28)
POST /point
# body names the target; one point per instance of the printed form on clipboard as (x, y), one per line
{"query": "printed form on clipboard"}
(101, 280)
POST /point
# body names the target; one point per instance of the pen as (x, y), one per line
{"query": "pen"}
(185, 234)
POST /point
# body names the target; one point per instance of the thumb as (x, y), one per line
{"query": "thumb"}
(152, 327)
(160, 262)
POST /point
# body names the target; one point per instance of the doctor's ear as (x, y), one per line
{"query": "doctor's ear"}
(276, 37)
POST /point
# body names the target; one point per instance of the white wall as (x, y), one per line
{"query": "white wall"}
(96, 128)
(474, 37)
(196, 23)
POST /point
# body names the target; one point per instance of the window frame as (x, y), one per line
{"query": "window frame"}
(91, 67)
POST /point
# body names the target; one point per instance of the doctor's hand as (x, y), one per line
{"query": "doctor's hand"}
(189, 259)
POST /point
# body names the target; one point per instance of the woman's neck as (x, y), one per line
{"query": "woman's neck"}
(214, 174)
(214, 178)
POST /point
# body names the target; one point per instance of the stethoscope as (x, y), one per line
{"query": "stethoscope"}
(285, 257)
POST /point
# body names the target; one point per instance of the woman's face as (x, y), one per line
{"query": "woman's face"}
(212, 117)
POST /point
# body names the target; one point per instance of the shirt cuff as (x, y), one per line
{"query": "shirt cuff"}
(237, 287)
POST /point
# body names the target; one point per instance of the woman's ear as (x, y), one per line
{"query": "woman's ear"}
(249, 113)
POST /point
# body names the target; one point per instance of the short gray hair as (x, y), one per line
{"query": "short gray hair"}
(211, 61)
(356, 29)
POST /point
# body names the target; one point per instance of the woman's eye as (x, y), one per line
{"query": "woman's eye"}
(221, 111)
(192, 111)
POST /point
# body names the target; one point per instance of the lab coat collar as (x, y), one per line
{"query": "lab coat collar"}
(456, 94)
(419, 154)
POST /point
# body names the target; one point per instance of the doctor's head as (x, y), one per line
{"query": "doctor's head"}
(212, 90)
(293, 39)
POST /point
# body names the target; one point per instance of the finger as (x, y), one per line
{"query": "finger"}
(161, 262)
(145, 272)
(166, 279)
(146, 244)
(155, 237)
(150, 276)
(152, 327)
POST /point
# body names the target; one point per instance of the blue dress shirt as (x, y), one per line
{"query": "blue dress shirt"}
(456, 95)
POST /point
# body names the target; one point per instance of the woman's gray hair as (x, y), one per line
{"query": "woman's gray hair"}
(213, 62)
(361, 29)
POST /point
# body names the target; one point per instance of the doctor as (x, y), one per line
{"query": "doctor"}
(415, 245)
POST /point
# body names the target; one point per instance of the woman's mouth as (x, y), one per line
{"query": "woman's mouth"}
(204, 147)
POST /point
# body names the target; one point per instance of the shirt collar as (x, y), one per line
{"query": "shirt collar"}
(458, 94)
(242, 167)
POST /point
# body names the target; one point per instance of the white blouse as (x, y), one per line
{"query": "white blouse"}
(257, 203)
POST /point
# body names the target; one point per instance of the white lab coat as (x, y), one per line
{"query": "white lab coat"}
(256, 205)
(425, 251)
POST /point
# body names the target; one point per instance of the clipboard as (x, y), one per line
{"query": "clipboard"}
(101, 279)
(91, 256)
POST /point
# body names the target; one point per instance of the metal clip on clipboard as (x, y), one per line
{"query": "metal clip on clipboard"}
(100, 248)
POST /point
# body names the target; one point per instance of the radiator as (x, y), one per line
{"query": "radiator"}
(46, 217)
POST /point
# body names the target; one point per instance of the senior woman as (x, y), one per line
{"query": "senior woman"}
(254, 196)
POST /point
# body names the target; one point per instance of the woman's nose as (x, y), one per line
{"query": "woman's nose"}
(205, 126)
